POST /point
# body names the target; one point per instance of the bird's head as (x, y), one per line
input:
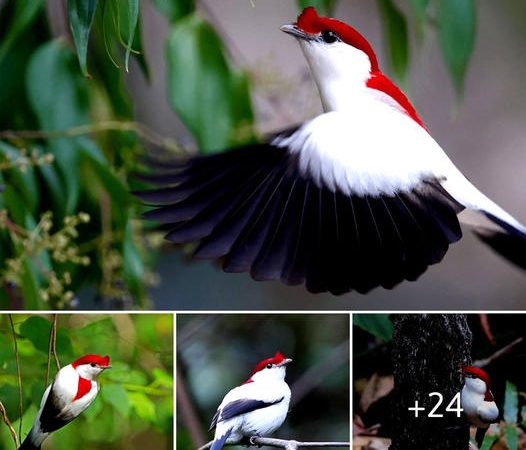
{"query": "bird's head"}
(89, 366)
(477, 380)
(270, 369)
(334, 50)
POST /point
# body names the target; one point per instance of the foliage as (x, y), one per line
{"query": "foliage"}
(136, 398)
(69, 144)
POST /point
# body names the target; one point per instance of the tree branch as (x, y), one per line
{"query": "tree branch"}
(503, 351)
(285, 444)
(140, 129)
(19, 377)
(8, 423)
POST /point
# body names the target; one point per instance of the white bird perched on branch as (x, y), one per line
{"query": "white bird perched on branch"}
(477, 401)
(359, 197)
(256, 408)
(71, 392)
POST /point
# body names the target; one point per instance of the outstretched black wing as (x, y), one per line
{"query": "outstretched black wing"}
(255, 210)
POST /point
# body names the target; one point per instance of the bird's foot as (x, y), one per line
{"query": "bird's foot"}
(252, 440)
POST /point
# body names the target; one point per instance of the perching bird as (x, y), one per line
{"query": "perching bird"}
(72, 391)
(258, 407)
(477, 401)
(358, 197)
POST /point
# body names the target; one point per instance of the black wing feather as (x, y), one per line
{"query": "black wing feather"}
(256, 210)
(243, 406)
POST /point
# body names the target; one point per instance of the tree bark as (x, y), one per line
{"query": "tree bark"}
(428, 351)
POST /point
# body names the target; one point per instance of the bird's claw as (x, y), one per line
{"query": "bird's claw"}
(252, 441)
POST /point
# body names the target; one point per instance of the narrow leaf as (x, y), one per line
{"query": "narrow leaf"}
(133, 17)
(212, 99)
(457, 29)
(23, 16)
(511, 435)
(419, 8)
(378, 325)
(81, 14)
(511, 403)
(175, 10)
(395, 34)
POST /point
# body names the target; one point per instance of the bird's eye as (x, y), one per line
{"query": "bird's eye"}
(329, 36)
(93, 364)
(269, 366)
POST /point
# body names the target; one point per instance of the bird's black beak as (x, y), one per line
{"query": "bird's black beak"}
(293, 30)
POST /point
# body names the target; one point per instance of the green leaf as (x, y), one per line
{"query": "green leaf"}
(23, 16)
(37, 330)
(116, 395)
(133, 17)
(143, 406)
(488, 441)
(163, 378)
(211, 99)
(52, 65)
(81, 14)
(419, 8)
(133, 264)
(322, 6)
(395, 35)
(175, 10)
(511, 403)
(378, 325)
(30, 287)
(511, 436)
(457, 28)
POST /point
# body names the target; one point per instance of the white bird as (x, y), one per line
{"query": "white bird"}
(258, 407)
(477, 401)
(358, 197)
(72, 391)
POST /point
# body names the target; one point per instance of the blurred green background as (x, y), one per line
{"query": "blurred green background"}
(134, 408)
(218, 352)
(90, 87)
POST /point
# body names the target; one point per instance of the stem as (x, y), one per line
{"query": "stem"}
(139, 129)
(8, 423)
(19, 377)
(284, 443)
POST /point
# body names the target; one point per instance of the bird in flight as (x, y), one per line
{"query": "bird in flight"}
(358, 197)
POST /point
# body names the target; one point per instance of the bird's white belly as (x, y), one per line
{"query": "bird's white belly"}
(264, 421)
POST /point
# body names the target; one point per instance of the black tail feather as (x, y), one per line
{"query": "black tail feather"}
(509, 243)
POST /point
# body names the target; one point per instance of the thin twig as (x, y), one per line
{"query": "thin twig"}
(503, 351)
(140, 129)
(52, 348)
(54, 342)
(19, 377)
(286, 444)
(186, 407)
(8, 423)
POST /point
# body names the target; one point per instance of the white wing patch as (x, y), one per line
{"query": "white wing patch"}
(345, 151)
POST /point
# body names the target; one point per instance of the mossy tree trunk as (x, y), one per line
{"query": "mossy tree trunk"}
(428, 350)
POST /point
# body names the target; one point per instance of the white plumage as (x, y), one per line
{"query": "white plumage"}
(358, 197)
(72, 391)
(480, 412)
(256, 408)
